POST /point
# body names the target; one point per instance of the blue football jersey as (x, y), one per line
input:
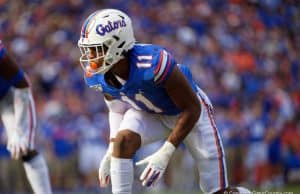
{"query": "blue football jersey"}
(150, 67)
(4, 84)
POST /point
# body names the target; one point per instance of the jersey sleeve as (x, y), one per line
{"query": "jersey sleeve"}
(164, 65)
(10, 71)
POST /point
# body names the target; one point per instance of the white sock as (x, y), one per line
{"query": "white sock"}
(121, 172)
(37, 175)
(243, 190)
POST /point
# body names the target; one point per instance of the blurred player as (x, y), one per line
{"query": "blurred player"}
(164, 103)
(17, 112)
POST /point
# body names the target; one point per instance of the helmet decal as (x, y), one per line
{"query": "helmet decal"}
(102, 29)
(84, 29)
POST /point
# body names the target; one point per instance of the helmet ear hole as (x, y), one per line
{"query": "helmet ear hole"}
(109, 42)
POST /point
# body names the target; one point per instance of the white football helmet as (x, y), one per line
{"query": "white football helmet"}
(109, 33)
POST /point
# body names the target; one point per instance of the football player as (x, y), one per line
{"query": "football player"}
(17, 112)
(150, 97)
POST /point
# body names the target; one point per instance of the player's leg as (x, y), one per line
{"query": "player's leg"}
(37, 172)
(121, 169)
(136, 129)
(34, 163)
(205, 145)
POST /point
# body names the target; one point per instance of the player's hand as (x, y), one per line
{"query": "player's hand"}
(157, 164)
(17, 145)
(104, 169)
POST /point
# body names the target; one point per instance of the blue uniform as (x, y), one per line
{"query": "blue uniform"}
(4, 83)
(150, 67)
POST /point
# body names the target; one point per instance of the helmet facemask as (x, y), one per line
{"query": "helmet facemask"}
(90, 61)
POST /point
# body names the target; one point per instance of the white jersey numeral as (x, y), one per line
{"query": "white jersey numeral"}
(143, 65)
(147, 103)
(132, 103)
(139, 97)
(144, 61)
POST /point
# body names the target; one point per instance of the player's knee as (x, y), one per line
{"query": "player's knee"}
(30, 155)
(126, 144)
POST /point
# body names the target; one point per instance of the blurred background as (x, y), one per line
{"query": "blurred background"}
(244, 54)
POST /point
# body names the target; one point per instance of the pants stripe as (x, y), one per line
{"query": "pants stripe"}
(30, 125)
(222, 178)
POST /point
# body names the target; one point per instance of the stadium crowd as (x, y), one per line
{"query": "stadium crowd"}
(244, 54)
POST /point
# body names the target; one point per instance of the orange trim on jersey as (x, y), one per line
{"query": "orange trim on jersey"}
(159, 63)
(167, 68)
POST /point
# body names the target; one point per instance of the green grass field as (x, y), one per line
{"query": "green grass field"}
(290, 189)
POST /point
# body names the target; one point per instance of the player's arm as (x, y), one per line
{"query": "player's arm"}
(181, 93)
(11, 72)
(25, 119)
(116, 110)
(169, 76)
